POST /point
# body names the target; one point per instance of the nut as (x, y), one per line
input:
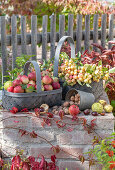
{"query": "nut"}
(66, 104)
(76, 99)
(79, 103)
(60, 108)
(72, 98)
(66, 110)
(55, 107)
(56, 112)
(71, 102)
(76, 103)
(102, 114)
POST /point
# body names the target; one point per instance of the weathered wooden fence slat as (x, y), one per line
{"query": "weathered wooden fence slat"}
(23, 35)
(34, 36)
(78, 33)
(103, 29)
(52, 35)
(111, 26)
(61, 26)
(95, 30)
(3, 48)
(87, 32)
(14, 40)
(44, 37)
(70, 25)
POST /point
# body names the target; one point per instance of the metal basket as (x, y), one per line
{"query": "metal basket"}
(96, 88)
(31, 100)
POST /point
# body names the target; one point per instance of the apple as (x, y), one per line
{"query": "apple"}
(74, 110)
(18, 89)
(48, 87)
(17, 82)
(42, 87)
(55, 79)
(32, 82)
(47, 80)
(30, 88)
(19, 76)
(24, 79)
(10, 89)
(8, 84)
(55, 85)
(32, 76)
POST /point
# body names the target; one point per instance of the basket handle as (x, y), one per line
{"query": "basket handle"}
(38, 73)
(58, 49)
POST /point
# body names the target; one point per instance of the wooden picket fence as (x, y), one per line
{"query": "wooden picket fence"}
(51, 37)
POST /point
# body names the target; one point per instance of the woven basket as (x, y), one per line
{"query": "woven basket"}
(31, 100)
(96, 88)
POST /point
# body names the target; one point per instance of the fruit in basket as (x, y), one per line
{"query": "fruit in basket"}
(16, 82)
(102, 102)
(8, 84)
(18, 89)
(74, 110)
(32, 76)
(19, 76)
(10, 89)
(32, 82)
(30, 88)
(48, 87)
(24, 79)
(55, 79)
(86, 112)
(97, 107)
(66, 104)
(108, 108)
(47, 80)
(55, 85)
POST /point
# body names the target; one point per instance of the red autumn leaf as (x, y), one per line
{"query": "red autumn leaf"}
(25, 166)
(42, 162)
(47, 121)
(16, 121)
(112, 165)
(61, 114)
(16, 161)
(31, 159)
(81, 158)
(110, 153)
(56, 149)
(113, 143)
(24, 110)
(33, 134)
(23, 132)
(53, 158)
(14, 110)
(37, 112)
(92, 123)
(50, 115)
(1, 162)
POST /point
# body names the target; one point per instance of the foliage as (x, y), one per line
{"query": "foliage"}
(19, 161)
(20, 62)
(103, 152)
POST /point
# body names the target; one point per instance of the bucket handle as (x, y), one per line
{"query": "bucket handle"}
(58, 50)
(38, 73)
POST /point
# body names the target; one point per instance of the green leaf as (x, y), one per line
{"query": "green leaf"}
(79, 82)
(112, 70)
(88, 85)
(99, 63)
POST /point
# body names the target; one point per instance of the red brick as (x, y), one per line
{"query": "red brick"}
(47, 152)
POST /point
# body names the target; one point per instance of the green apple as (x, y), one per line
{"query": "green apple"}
(8, 84)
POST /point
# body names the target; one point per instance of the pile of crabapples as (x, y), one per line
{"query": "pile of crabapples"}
(72, 73)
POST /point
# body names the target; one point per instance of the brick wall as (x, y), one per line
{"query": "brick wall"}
(76, 142)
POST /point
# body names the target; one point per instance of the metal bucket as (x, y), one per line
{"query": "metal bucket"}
(86, 99)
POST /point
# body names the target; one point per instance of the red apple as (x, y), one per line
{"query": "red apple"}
(24, 79)
(74, 110)
(48, 87)
(47, 80)
(30, 88)
(55, 85)
(18, 89)
(32, 76)
(10, 89)
(19, 76)
(32, 82)
(55, 79)
(17, 82)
